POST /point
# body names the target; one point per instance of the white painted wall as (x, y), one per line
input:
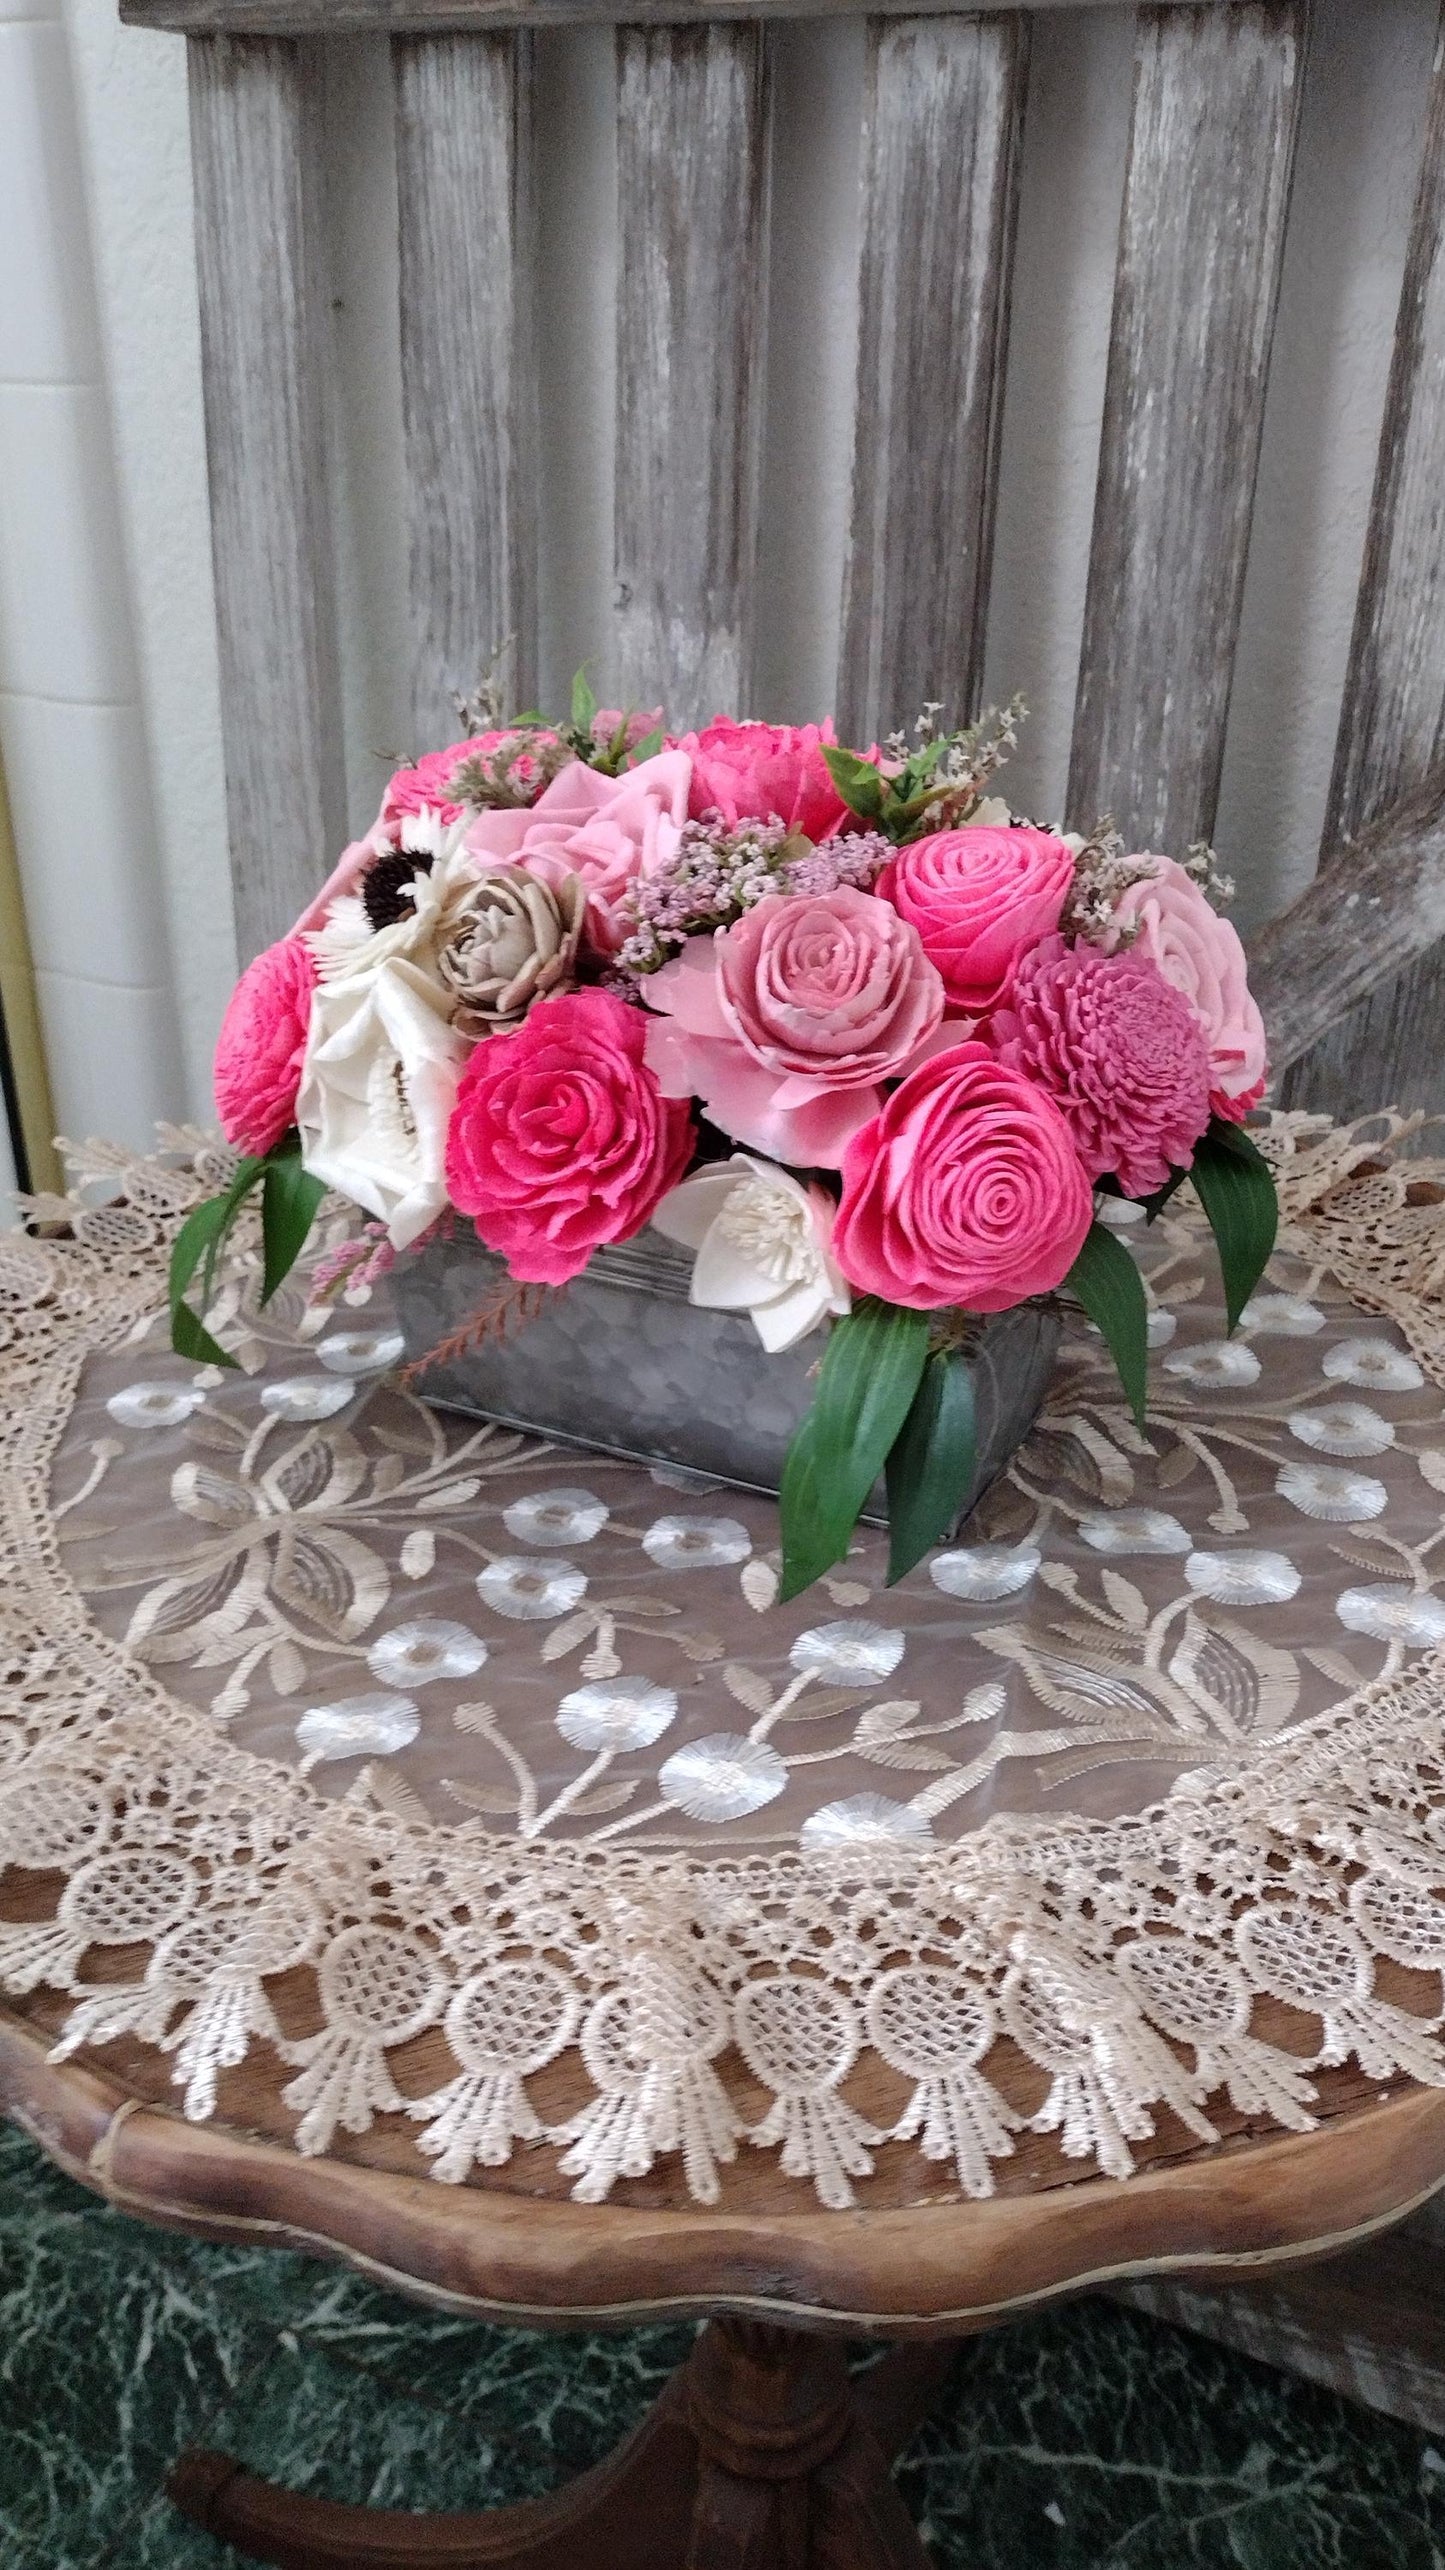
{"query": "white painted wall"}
(123, 337)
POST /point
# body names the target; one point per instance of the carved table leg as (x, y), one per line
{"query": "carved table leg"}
(758, 2456)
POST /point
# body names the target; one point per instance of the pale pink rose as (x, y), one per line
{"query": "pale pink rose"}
(560, 1139)
(1201, 954)
(964, 1190)
(607, 829)
(786, 1023)
(1121, 1052)
(979, 899)
(749, 771)
(260, 1048)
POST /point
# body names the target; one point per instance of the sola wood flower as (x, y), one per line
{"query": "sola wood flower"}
(377, 1091)
(1169, 920)
(261, 1046)
(1122, 1052)
(965, 1189)
(754, 771)
(606, 829)
(787, 1023)
(562, 1140)
(980, 899)
(761, 1239)
(515, 939)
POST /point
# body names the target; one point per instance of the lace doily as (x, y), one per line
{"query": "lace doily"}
(515, 1747)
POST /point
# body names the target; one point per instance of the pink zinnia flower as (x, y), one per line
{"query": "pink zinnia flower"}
(561, 1140)
(261, 1044)
(1119, 1049)
(965, 1189)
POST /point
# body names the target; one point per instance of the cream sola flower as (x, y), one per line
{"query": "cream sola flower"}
(761, 1239)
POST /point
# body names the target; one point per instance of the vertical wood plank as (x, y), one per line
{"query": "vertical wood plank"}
(1392, 723)
(692, 182)
(469, 387)
(1211, 151)
(942, 119)
(256, 149)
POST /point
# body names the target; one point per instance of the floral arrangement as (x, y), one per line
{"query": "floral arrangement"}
(869, 1045)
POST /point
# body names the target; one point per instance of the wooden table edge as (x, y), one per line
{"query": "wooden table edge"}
(943, 2269)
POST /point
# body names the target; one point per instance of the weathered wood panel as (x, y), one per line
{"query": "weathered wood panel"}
(1211, 151)
(469, 387)
(1392, 727)
(439, 17)
(944, 107)
(692, 180)
(1372, 909)
(263, 314)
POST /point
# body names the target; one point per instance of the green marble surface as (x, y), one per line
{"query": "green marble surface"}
(1088, 2439)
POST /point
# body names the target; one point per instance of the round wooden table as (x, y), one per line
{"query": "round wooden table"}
(763, 2453)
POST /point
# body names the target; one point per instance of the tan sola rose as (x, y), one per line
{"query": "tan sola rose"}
(514, 940)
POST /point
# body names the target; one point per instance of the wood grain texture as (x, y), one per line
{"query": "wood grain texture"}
(468, 372)
(1392, 725)
(920, 2260)
(692, 184)
(256, 151)
(1211, 152)
(1373, 908)
(436, 17)
(943, 112)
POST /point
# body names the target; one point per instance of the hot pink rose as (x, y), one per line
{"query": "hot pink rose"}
(1119, 1049)
(979, 899)
(747, 771)
(785, 1023)
(607, 829)
(965, 1189)
(260, 1047)
(560, 1139)
(1201, 955)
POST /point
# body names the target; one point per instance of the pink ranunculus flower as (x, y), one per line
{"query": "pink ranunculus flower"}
(965, 1189)
(424, 786)
(979, 899)
(749, 771)
(786, 1023)
(561, 1140)
(1201, 954)
(261, 1046)
(607, 829)
(1119, 1049)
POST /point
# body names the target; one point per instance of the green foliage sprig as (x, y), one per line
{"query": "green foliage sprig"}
(289, 1199)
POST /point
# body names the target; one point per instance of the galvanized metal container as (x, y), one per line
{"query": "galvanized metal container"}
(621, 1361)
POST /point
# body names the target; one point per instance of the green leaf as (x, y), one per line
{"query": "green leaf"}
(648, 747)
(1108, 1285)
(1233, 1183)
(584, 703)
(866, 1384)
(198, 1243)
(857, 780)
(932, 1462)
(289, 1198)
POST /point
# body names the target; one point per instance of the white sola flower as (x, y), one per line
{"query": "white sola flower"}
(377, 1089)
(761, 1239)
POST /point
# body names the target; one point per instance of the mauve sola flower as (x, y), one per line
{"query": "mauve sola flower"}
(1121, 1052)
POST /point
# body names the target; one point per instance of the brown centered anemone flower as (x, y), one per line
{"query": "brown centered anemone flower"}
(514, 940)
